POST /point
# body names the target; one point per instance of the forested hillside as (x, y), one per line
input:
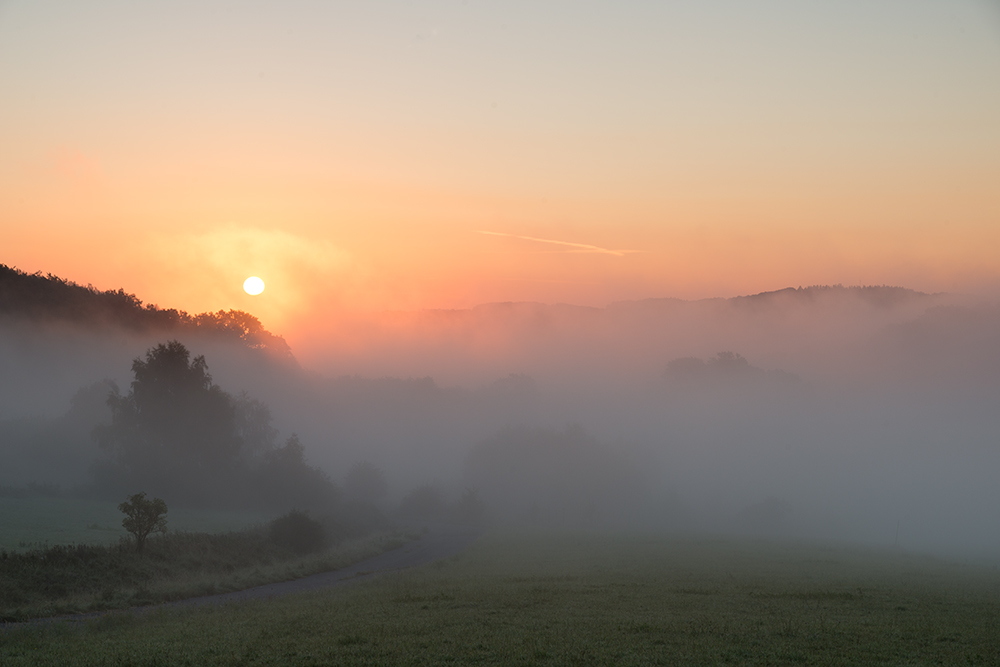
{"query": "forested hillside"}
(50, 299)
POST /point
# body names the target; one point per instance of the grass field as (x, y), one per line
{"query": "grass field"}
(516, 599)
(32, 522)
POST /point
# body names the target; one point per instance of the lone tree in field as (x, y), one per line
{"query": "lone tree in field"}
(143, 517)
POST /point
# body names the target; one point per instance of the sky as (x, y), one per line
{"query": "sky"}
(364, 157)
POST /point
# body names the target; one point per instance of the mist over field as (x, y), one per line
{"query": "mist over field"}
(860, 414)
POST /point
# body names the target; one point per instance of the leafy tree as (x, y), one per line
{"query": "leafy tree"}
(177, 433)
(143, 517)
(235, 324)
(175, 429)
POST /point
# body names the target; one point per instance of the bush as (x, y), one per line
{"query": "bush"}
(298, 532)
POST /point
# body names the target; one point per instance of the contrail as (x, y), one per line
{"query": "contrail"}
(580, 247)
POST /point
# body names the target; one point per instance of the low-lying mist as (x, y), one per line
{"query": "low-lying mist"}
(861, 414)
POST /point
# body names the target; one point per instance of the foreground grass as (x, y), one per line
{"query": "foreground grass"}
(84, 578)
(578, 600)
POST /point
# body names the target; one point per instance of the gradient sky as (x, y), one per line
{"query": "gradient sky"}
(390, 155)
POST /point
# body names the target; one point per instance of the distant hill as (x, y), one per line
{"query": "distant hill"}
(827, 300)
(49, 299)
(875, 295)
(885, 296)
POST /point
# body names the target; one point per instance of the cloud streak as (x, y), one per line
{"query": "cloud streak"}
(573, 247)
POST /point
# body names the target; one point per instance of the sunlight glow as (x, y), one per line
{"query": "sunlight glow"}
(253, 285)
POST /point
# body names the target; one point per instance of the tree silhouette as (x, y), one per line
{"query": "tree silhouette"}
(143, 517)
(40, 298)
(174, 428)
(179, 435)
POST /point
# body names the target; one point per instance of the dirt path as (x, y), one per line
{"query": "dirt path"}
(440, 541)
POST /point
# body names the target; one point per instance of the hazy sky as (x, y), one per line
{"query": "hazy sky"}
(362, 156)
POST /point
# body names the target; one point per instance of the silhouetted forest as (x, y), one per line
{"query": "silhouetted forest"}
(876, 295)
(178, 434)
(47, 298)
(175, 434)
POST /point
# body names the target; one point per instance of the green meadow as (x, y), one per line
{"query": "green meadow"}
(578, 599)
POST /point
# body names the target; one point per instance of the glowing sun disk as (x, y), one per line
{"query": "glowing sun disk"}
(253, 285)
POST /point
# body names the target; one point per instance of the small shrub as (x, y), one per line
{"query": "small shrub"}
(298, 532)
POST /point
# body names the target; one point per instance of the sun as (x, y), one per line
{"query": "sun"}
(253, 285)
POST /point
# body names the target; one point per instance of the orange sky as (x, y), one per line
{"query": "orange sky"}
(354, 156)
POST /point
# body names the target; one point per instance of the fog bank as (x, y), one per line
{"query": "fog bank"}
(856, 414)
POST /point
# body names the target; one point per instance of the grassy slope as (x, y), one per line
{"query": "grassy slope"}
(580, 600)
(68, 580)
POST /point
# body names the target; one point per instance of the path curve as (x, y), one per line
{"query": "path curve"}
(435, 543)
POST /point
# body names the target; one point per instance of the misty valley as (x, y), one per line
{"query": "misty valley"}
(796, 477)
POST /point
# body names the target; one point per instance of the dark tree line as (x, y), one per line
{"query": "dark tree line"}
(48, 298)
(178, 435)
